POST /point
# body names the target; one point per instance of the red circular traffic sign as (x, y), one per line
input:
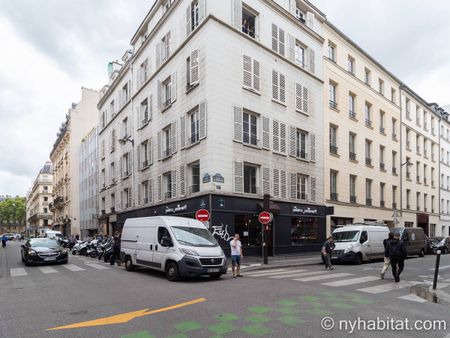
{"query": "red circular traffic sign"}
(265, 217)
(202, 215)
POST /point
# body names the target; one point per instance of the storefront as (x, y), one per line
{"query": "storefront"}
(295, 227)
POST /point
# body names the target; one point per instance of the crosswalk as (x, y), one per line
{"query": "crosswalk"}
(370, 284)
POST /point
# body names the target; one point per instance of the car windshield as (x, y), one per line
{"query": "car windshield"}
(436, 239)
(44, 243)
(194, 236)
(346, 236)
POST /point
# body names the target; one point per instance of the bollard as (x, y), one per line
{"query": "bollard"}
(436, 268)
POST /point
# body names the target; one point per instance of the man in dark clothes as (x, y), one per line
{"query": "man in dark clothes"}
(327, 251)
(397, 255)
(116, 249)
(387, 260)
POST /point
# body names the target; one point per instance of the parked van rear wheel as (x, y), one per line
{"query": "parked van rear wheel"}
(172, 272)
(422, 253)
(129, 266)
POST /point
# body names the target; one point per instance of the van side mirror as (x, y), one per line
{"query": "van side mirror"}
(165, 241)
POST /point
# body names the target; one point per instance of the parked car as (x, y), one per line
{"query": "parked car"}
(9, 236)
(359, 242)
(178, 246)
(439, 243)
(43, 250)
(415, 239)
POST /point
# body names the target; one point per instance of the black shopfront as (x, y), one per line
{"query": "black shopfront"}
(295, 227)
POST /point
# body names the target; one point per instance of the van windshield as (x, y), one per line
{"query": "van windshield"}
(346, 236)
(194, 236)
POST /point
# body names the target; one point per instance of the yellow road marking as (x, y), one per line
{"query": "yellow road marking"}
(125, 317)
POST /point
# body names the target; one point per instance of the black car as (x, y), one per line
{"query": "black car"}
(439, 243)
(42, 251)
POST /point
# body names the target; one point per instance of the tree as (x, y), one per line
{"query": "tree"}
(12, 210)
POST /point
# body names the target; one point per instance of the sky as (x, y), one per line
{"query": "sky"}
(51, 48)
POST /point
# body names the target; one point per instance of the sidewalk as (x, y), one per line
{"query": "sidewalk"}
(252, 263)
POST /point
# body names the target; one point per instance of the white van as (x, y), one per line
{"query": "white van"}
(359, 242)
(53, 234)
(181, 247)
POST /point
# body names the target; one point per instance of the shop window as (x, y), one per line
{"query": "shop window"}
(304, 230)
(249, 229)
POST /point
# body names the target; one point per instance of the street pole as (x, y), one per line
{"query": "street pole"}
(436, 268)
(266, 205)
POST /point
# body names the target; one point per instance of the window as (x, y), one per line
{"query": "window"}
(125, 93)
(367, 114)
(249, 22)
(351, 105)
(278, 39)
(301, 144)
(145, 154)
(425, 148)
(394, 129)
(432, 177)
(368, 148)
(333, 140)
(113, 140)
(408, 109)
(102, 152)
(144, 113)
(393, 95)
(104, 119)
(125, 128)
(352, 188)
(302, 183)
(250, 179)
(112, 108)
(278, 87)
(382, 202)
(103, 205)
(250, 128)
(433, 129)
(168, 92)
(381, 86)
(126, 198)
(250, 73)
(408, 139)
(103, 178)
(418, 116)
(408, 199)
(299, 53)
(332, 51)
(382, 166)
(382, 114)
(332, 92)
(166, 141)
(301, 98)
(367, 76)
(45, 199)
(126, 165)
(145, 191)
(112, 172)
(168, 182)
(425, 167)
(418, 171)
(394, 162)
(418, 200)
(192, 69)
(143, 71)
(394, 197)
(352, 146)
(194, 170)
(418, 144)
(166, 5)
(368, 192)
(351, 65)
(163, 50)
(333, 185)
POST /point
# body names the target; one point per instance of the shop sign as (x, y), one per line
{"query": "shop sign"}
(178, 208)
(304, 211)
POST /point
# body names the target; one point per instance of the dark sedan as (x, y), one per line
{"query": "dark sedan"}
(439, 243)
(42, 251)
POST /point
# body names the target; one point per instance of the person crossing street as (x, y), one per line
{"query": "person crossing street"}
(387, 260)
(397, 254)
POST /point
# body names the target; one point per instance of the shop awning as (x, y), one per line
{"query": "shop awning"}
(274, 208)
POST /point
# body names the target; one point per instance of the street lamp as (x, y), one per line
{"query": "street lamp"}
(126, 139)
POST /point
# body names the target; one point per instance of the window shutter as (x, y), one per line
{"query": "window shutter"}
(291, 40)
(160, 188)
(194, 67)
(139, 194)
(312, 144)
(130, 168)
(173, 90)
(310, 19)
(293, 186)
(247, 71)
(276, 182)
(275, 87)
(182, 132)
(130, 198)
(292, 6)
(174, 183)
(121, 166)
(266, 180)
(237, 124)
(275, 38)
(173, 136)
(139, 157)
(158, 54)
(238, 177)
(202, 122)
(298, 97)
(276, 136)
(182, 181)
(201, 10)
(283, 135)
(160, 98)
(150, 191)
(188, 20)
(150, 151)
(312, 61)
(281, 41)
(312, 181)
(167, 46)
(305, 100)
(265, 132)
(283, 183)
(256, 75)
(292, 141)
(150, 107)
(159, 145)
(237, 14)
(282, 88)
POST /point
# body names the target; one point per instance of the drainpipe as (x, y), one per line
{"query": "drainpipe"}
(401, 155)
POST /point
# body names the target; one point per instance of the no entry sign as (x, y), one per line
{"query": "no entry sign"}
(265, 217)
(202, 215)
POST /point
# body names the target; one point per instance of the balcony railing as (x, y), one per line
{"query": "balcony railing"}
(408, 175)
(252, 190)
(408, 207)
(368, 201)
(193, 139)
(113, 210)
(168, 195)
(382, 130)
(394, 171)
(333, 104)
(352, 114)
(368, 161)
(352, 156)
(334, 196)
(333, 149)
(166, 104)
(418, 178)
(382, 204)
(394, 205)
(194, 188)
(425, 181)
(368, 123)
(382, 166)
(145, 200)
(353, 199)
(167, 152)
(394, 136)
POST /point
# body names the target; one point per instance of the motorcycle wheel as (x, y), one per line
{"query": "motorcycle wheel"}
(74, 252)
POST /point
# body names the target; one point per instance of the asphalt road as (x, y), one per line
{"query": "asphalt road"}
(284, 302)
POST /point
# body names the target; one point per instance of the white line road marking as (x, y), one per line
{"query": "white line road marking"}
(265, 272)
(439, 284)
(47, 269)
(352, 281)
(387, 287)
(413, 298)
(97, 266)
(73, 267)
(280, 274)
(322, 277)
(301, 274)
(16, 272)
(442, 267)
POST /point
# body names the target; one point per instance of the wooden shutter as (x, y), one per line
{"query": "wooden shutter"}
(130, 164)
(174, 183)
(292, 141)
(312, 145)
(173, 89)
(276, 182)
(282, 83)
(266, 181)
(305, 100)
(283, 135)
(312, 181)
(139, 157)
(275, 38)
(160, 194)
(276, 136)
(281, 41)
(173, 137)
(275, 85)
(194, 67)
(201, 10)
(150, 191)
(183, 132)
(293, 186)
(202, 122)
(283, 183)
(159, 145)
(158, 54)
(291, 41)
(247, 71)
(139, 193)
(159, 93)
(150, 151)
(237, 130)
(312, 61)
(265, 132)
(310, 19)
(298, 97)
(237, 14)
(238, 177)
(182, 180)
(150, 107)
(188, 20)
(130, 197)
(256, 75)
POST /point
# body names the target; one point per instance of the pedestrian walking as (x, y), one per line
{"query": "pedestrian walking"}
(397, 254)
(4, 239)
(327, 251)
(236, 255)
(387, 260)
(116, 249)
(77, 237)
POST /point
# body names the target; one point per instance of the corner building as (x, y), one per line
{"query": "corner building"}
(215, 113)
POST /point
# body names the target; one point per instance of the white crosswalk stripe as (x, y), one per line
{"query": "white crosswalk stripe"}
(280, 274)
(352, 281)
(442, 267)
(16, 272)
(97, 266)
(264, 272)
(322, 277)
(387, 286)
(73, 267)
(47, 269)
(413, 298)
(301, 274)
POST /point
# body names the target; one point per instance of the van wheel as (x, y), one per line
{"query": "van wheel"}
(215, 275)
(172, 272)
(422, 253)
(358, 259)
(129, 266)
